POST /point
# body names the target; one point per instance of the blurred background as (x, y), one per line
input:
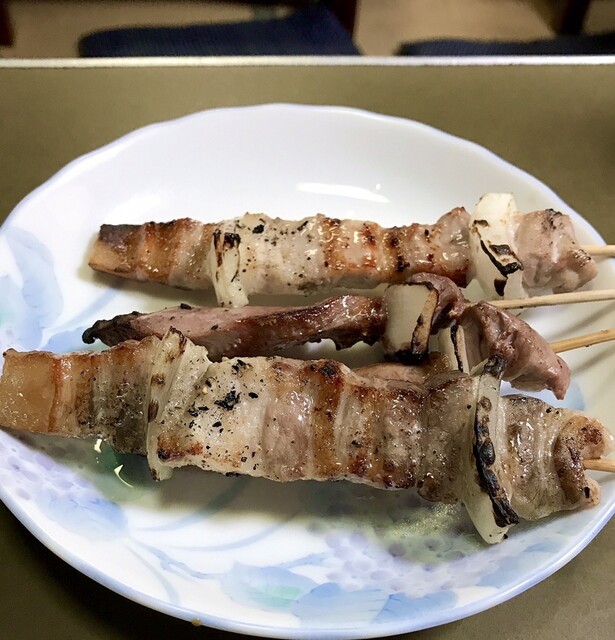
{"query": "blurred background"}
(46, 28)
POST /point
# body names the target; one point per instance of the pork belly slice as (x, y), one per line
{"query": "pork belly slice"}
(544, 448)
(99, 394)
(259, 254)
(510, 253)
(253, 331)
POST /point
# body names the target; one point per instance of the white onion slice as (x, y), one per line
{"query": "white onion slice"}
(225, 268)
(484, 497)
(451, 342)
(179, 367)
(410, 310)
(495, 264)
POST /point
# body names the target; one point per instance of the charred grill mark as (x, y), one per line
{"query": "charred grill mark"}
(158, 378)
(329, 386)
(502, 249)
(183, 342)
(504, 269)
(553, 217)
(412, 356)
(401, 264)
(239, 366)
(196, 268)
(259, 228)
(359, 467)
(169, 450)
(152, 411)
(330, 370)
(485, 403)
(118, 236)
(456, 347)
(499, 285)
(216, 240)
(231, 240)
(484, 454)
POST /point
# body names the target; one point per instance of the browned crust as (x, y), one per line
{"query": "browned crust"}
(148, 252)
(573, 445)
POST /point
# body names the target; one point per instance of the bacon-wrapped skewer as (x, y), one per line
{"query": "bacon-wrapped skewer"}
(453, 438)
(510, 254)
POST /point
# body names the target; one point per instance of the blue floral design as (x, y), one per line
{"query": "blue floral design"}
(400, 607)
(373, 561)
(85, 513)
(25, 311)
(269, 588)
(62, 495)
(329, 605)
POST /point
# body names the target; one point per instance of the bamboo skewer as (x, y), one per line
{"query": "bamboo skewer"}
(606, 250)
(600, 464)
(555, 298)
(605, 335)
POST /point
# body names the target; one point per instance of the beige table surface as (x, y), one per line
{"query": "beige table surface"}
(555, 121)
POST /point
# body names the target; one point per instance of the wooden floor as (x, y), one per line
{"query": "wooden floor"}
(46, 29)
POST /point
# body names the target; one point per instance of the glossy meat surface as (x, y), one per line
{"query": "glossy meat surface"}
(531, 362)
(252, 331)
(259, 254)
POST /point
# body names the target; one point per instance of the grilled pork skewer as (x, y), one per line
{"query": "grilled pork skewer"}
(452, 438)
(510, 254)
(403, 320)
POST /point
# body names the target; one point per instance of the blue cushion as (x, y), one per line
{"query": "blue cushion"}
(313, 30)
(600, 44)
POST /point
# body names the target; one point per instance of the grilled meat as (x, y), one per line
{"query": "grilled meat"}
(258, 254)
(287, 420)
(253, 331)
(509, 253)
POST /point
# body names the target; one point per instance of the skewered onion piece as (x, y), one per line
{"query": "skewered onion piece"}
(495, 263)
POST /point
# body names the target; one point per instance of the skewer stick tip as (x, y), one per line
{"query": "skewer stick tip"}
(600, 464)
(600, 250)
(556, 298)
(586, 340)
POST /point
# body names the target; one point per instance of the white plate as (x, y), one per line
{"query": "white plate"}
(298, 560)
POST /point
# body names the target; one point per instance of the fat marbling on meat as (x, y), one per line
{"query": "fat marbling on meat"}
(259, 254)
